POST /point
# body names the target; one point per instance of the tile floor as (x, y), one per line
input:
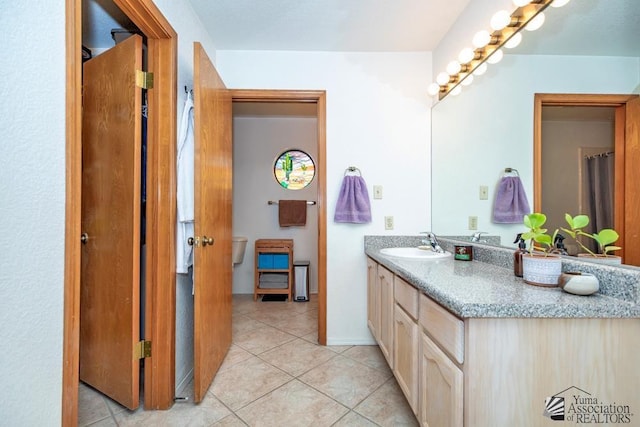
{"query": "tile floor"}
(276, 375)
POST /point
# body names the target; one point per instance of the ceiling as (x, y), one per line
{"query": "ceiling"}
(587, 27)
(582, 27)
(328, 25)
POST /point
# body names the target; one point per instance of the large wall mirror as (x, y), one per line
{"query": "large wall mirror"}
(586, 47)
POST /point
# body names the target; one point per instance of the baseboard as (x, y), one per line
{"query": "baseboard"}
(357, 341)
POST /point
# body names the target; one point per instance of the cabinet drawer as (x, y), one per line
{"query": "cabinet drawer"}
(406, 296)
(443, 326)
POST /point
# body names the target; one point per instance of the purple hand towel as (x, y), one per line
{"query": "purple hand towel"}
(511, 203)
(353, 202)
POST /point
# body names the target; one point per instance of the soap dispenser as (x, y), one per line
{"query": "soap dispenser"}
(517, 255)
(559, 245)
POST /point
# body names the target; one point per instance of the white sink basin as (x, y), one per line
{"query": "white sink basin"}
(414, 253)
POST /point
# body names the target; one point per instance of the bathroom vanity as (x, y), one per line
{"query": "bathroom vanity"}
(472, 345)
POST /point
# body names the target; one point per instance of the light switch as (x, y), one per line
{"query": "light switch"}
(377, 191)
(484, 192)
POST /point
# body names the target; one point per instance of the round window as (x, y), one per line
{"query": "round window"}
(294, 169)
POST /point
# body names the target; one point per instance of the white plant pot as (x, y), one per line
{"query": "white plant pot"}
(601, 259)
(540, 270)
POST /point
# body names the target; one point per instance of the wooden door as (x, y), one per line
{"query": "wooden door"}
(631, 185)
(213, 197)
(110, 258)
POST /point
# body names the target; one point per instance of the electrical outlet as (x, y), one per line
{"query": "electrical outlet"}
(377, 191)
(473, 223)
(484, 192)
(388, 223)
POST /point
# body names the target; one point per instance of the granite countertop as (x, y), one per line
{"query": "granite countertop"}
(480, 289)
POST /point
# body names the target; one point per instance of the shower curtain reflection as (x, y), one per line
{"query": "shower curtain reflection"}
(600, 190)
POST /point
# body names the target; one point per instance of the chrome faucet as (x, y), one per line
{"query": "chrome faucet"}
(476, 237)
(432, 240)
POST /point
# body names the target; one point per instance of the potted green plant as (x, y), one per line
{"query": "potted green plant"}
(604, 239)
(539, 266)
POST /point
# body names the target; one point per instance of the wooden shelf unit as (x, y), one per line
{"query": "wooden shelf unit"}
(273, 247)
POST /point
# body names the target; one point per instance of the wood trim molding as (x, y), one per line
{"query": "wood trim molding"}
(574, 99)
(73, 173)
(624, 142)
(160, 270)
(319, 98)
(537, 152)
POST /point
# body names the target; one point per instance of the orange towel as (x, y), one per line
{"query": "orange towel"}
(292, 213)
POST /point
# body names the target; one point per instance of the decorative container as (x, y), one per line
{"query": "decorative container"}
(601, 259)
(541, 270)
(579, 283)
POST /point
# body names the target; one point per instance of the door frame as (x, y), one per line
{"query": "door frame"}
(161, 216)
(317, 97)
(626, 148)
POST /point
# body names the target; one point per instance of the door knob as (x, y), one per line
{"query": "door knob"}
(193, 241)
(207, 240)
(190, 241)
(84, 238)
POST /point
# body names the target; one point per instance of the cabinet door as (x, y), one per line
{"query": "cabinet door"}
(385, 285)
(441, 400)
(373, 307)
(405, 355)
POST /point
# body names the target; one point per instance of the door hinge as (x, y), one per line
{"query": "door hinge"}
(144, 79)
(142, 349)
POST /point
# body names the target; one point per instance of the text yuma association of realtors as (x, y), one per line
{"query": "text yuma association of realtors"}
(589, 411)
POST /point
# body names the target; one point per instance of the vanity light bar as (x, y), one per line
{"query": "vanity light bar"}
(519, 19)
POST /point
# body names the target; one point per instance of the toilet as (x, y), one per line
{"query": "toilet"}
(238, 247)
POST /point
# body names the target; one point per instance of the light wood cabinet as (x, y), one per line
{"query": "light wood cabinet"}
(441, 387)
(373, 298)
(385, 286)
(499, 371)
(405, 355)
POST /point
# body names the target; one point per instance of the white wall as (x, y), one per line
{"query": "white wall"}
(490, 126)
(189, 28)
(377, 120)
(257, 142)
(32, 207)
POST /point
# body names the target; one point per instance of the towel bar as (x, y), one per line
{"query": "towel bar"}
(271, 202)
(352, 169)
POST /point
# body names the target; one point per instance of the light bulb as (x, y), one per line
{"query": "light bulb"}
(482, 68)
(456, 90)
(535, 23)
(467, 80)
(442, 78)
(495, 57)
(559, 3)
(521, 3)
(500, 20)
(433, 89)
(453, 68)
(481, 39)
(466, 55)
(513, 41)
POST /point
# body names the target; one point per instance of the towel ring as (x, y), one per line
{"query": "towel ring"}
(511, 170)
(352, 169)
